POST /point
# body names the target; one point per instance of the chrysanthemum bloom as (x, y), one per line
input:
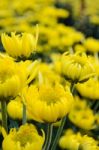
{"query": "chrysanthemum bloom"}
(84, 119)
(14, 76)
(77, 67)
(10, 83)
(26, 138)
(48, 103)
(15, 109)
(88, 143)
(81, 115)
(20, 45)
(70, 140)
(89, 89)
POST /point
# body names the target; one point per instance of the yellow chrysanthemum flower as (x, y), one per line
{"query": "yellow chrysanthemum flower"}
(81, 115)
(70, 140)
(77, 67)
(10, 83)
(52, 100)
(14, 76)
(26, 138)
(21, 45)
(89, 89)
(84, 119)
(15, 109)
(88, 143)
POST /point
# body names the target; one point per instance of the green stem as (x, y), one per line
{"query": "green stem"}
(49, 137)
(60, 129)
(4, 115)
(24, 119)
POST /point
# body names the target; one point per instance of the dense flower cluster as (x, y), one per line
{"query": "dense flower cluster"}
(49, 77)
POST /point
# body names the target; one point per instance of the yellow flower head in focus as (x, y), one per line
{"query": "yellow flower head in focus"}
(77, 67)
(48, 103)
(19, 45)
(26, 138)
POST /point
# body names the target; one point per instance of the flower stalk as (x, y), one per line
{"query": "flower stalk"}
(60, 129)
(24, 119)
(48, 137)
(4, 115)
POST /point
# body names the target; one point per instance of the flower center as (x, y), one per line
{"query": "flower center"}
(79, 60)
(24, 137)
(49, 95)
